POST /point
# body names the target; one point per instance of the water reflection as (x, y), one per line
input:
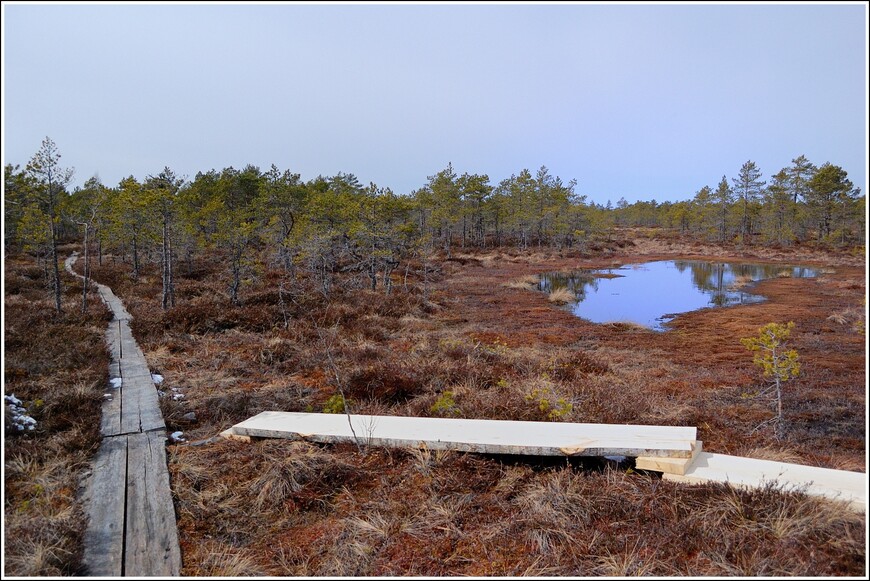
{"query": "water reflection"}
(652, 293)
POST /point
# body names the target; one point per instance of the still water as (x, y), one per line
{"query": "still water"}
(652, 293)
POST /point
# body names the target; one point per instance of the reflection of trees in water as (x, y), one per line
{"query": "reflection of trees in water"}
(577, 282)
(711, 278)
(716, 279)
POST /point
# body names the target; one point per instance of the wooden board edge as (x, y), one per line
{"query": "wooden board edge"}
(230, 434)
(669, 465)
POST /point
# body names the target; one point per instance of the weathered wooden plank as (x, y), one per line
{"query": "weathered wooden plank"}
(132, 528)
(667, 464)
(150, 416)
(110, 421)
(105, 507)
(845, 485)
(113, 302)
(113, 340)
(151, 538)
(129, 344)
(130, 408)
(469, 435)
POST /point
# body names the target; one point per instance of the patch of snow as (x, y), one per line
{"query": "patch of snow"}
(24, 422)
(18, 414)
(176, 437)
(177, 396)
(615, 458)
(116, 382)
(157, 378)
(160, 393)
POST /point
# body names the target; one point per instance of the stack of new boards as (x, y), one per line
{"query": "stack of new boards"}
(674, 451)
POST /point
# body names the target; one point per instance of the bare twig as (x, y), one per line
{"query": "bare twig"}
(338, 384)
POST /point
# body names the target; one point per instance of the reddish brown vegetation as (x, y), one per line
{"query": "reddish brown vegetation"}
(57, 365)
(276, 508)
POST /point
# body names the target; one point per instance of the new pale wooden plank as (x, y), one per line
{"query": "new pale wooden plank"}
(469, 435)
(845, 485)
(104, 535)
(151, 538)
(230, 434)
(667, 464)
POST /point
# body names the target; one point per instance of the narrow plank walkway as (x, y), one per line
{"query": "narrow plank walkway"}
(131, 530)
(483, 436)
(670, 450)
(844, 485)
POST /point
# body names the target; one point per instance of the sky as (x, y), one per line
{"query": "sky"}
(642, 101)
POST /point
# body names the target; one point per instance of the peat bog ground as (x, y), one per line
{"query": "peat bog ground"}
(471, 339)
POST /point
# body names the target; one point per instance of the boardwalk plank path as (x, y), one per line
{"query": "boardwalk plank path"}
(671, 450)
(469, 435)
(844, 485)
(131, 528)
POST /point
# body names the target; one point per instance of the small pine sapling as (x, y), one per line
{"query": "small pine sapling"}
(777, 362)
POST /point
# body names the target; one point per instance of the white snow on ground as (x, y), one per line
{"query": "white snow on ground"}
(20, 419)
(116, 382)
(157, 378)
(176, 437)
(177, 396)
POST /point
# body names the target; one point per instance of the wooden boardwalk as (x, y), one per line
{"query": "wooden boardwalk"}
(670, 450)
(131, 530)
(484, 436)
(850, 487)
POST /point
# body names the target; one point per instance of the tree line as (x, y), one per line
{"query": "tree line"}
(329, 225)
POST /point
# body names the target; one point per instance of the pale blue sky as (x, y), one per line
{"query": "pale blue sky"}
(641, 101)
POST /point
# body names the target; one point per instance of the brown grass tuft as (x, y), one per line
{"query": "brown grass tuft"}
(562, 296)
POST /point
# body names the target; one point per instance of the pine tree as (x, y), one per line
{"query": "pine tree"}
(723, 197)
(50, 179)
(748, 186)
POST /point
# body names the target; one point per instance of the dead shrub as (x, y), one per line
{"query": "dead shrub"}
(384, 381)
(574, 365)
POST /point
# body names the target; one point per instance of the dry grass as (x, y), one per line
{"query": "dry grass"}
(527, 282)
(292, 508)
(851, 316)
(562, 296)
(740, 282)
(58, 366)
